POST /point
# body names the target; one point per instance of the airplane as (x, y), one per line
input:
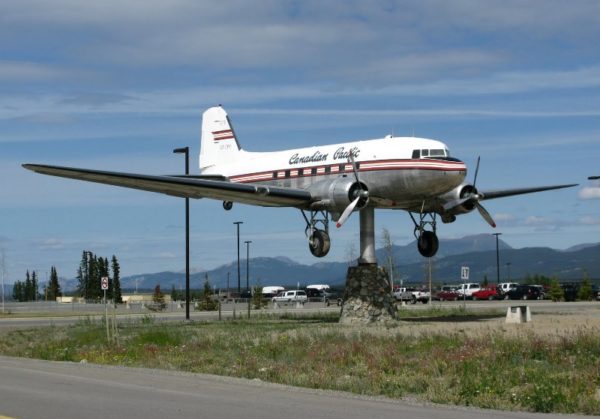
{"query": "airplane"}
(417, 175)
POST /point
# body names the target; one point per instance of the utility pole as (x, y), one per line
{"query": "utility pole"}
(186, 151)
(497, 259)
(237, 223)
(248, 264)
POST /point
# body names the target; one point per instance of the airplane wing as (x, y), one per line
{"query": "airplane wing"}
(186, 186)
(519, 191)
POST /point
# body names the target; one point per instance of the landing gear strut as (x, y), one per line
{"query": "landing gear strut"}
(318, 239)
(427, 241)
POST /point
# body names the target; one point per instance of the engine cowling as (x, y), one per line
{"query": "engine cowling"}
(458, 201)
(337, 195)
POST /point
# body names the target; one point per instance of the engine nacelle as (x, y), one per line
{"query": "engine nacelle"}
(456, 202)
(337, 195)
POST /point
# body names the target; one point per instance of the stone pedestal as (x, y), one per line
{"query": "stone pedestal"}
(367, 298)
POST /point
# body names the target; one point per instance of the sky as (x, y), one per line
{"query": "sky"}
(117, 85)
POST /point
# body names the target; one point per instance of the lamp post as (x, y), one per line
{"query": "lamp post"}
(248, 264)
(186, 151)
(497, 259)
(237, 223)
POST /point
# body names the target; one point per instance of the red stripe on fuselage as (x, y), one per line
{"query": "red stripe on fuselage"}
(365, 166)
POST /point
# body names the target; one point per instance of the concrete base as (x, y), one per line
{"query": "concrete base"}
(367, 298)
(518, 314)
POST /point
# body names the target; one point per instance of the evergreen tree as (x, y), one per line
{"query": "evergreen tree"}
(116, 280)
(28, 292)
(34, 287)
(257, 296)
(556, 292)
(206, 300)
(53, 285)
(585, 289)
(19, 291)
(159, 299)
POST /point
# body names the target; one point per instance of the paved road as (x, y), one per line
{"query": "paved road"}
(42, 389)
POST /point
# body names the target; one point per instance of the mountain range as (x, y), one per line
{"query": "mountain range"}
(478, 252)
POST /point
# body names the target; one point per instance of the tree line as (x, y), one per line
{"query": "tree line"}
(28, 289)
(89, 277)
(92, 269)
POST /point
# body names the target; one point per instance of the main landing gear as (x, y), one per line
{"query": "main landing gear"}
(318, 238)
(427, 241)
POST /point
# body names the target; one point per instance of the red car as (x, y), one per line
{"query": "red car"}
(489, 293)
(446, 295)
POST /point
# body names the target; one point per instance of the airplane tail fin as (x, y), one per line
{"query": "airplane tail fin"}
(219, 143)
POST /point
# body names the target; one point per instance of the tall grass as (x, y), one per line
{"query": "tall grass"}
(558, 373)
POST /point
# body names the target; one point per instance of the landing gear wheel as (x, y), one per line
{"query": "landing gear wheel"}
(227, 205)
(319, 243)
(428, 244)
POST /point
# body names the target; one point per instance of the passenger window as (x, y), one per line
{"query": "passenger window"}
(313, 171)
(424, 153)
(300, 172)
(287, 173)
(274, 175)
(342, 168)
(416, 154)
(327, 169)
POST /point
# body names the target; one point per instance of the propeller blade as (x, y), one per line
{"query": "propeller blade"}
(486, 215)
(351, 158)
(476, 171)
(346, 214)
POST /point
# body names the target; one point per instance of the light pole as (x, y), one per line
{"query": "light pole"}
(186, 151)
(497, 259)
(248, 264)
(237, 223)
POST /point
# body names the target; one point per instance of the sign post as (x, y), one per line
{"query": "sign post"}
(104, 285)
(464, 275)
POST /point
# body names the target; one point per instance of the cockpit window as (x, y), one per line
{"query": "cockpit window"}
(430, 153)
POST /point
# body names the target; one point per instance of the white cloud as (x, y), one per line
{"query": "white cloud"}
(589, 220)
(590, 192)
(29, 71)
(534, 220)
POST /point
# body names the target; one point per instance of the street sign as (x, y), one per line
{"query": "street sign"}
(104, 282)
(464, 273)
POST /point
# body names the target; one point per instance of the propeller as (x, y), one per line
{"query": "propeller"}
(360, 194)
(473, 197)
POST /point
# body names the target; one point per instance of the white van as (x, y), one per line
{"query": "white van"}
(468, 289)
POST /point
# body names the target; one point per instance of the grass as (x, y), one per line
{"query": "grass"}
(557, 373)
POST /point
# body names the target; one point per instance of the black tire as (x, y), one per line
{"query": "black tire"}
(319, 243)
(428, 244)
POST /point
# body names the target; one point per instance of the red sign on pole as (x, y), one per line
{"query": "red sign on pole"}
(104, 282)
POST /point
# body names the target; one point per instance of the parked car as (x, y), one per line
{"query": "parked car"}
(570, 291)
(468, 289)
(543, 291)
(323, 295)
(488, 293)
(596, 292)
(298, 296)
(505, 287)
(411, 294)
(524, 292)
(447, 293)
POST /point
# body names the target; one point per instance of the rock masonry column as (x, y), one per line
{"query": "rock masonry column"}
(367, 298)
